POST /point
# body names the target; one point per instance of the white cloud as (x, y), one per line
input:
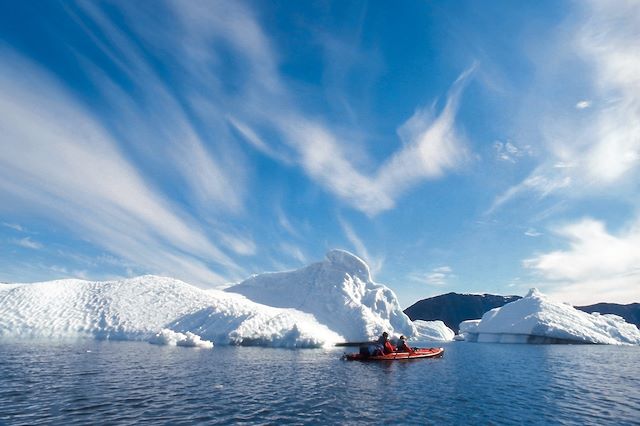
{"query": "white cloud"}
(431, 146)
(27, 242)
(294, 252)
(59, 161)
(157, 113)
(285, 223)
(591, 152)
(610, 42)
(14, 226)
(597, 267)
(507, 151)
(375, 262)
(599, 149)
(583, 104)
(239, 244)
(543, 181)
(531, 232)
(438, 276)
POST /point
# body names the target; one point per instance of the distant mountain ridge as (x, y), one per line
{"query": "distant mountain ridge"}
(453, 308)
(630, 312)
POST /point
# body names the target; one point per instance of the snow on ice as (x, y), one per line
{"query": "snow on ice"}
(538, 319)
(188, 339)
(432, 331)
(319, 305)
(338, 291)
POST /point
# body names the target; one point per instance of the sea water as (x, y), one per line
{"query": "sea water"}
(92, 382)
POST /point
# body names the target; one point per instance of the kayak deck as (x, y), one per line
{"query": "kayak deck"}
(418, 353)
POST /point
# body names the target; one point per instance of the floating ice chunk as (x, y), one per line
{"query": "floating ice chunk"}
(468, 330)
(538, 319)
(433, 331)
(172, 338)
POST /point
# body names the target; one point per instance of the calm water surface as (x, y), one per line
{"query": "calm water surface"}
(125, 383)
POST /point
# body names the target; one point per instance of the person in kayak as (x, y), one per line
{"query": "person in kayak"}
(387, 347)
(402, 345)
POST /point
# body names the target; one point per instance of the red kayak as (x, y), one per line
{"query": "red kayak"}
(415, 354)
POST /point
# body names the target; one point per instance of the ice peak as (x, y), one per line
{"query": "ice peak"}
(534, 292)
(349, 262)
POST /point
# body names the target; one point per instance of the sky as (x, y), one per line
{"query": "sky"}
(455, 146)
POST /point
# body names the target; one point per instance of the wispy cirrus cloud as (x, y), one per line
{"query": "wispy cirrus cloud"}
(27, 242)
(584, 104)
(14, 226)
(136, 165)
(597, 263)
(59, 161)
(375, 262)
(438, 276)
(294, 252)
(595, 150)
(153, 110)
(507, 151)
(432, 144)
(597, 147)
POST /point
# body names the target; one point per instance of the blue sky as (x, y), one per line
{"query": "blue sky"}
(456, 146)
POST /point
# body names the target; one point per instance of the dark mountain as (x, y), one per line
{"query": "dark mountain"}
(453, 308)
(630, 312)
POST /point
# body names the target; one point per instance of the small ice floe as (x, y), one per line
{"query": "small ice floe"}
(432, 331)
(173, 338)
(537, 318)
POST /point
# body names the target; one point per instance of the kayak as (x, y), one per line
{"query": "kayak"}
(415, 354)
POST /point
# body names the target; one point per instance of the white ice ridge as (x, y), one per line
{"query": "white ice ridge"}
(172, 338)
(432, 331)
(139, 308)
(538, 319)
(339, 292)
(324, 303)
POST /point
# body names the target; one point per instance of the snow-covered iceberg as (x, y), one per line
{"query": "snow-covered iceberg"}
(139, 308)
(319, 305)
(538, 319)
(338, 292)
(432, 331)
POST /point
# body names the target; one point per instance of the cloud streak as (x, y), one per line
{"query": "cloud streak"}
(598, 148)
(597, 263)
(437, 277)
(374, 262)
(59, 161)
(27, 242)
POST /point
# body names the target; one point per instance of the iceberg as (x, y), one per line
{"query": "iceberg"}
(141, 308)
(538, 319)
(316, 306)
(339, 292)
(432, 331)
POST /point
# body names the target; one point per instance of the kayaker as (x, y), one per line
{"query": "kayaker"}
(402, 345)
(387, 347)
